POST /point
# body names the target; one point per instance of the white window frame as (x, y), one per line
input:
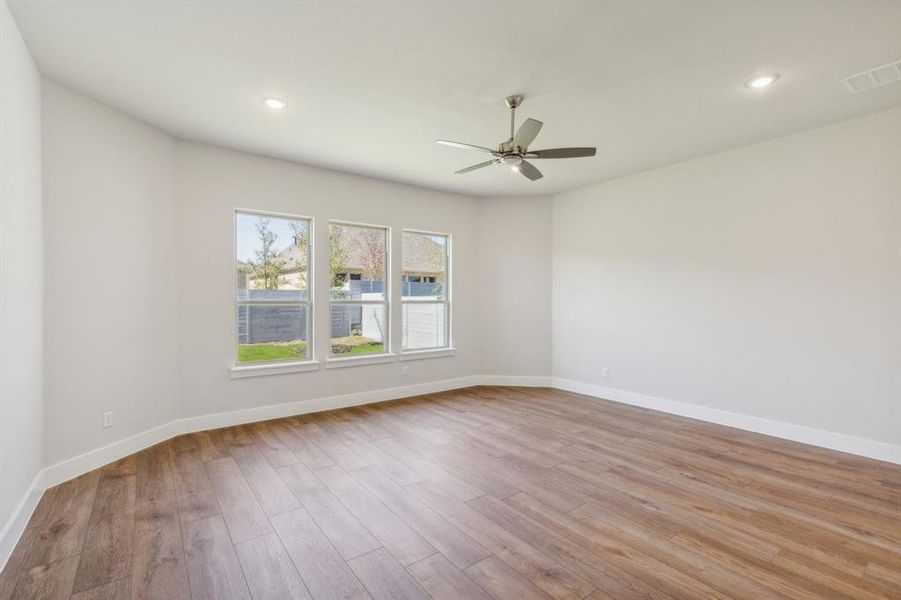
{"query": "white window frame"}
(448, 348)
(285, 365)
(337, 360)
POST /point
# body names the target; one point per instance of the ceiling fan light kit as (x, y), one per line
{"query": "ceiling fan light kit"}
(514, 152)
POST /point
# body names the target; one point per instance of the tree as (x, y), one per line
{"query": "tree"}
(301, 237)
(372, 252)
(337, 256)
(302, 241)
(268, 267)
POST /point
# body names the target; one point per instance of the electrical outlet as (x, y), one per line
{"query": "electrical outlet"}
(108, 419)
(403, 371)
(605, 372)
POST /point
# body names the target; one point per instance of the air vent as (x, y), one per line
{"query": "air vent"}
(874, 78)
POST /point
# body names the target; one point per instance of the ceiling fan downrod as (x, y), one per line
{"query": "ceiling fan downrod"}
(512, 103)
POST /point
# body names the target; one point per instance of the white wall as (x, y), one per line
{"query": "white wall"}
(139, 247)
(111, 304)
(764, 281)
(212, 182)
(21, 279)
(514, 286)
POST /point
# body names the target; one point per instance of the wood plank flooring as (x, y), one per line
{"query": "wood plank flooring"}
(486, 492)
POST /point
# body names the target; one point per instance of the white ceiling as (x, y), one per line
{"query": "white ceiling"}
(371, 85)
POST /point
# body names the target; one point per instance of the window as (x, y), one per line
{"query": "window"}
(358, 263)
(273, 285)
(426, 286)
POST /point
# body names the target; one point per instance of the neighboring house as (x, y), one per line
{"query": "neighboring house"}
(423, 262)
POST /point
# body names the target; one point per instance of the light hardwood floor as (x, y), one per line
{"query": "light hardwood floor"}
(480, 493)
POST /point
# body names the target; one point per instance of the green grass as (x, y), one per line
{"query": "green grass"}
(271, 351)
(356, 344)
(371, 347)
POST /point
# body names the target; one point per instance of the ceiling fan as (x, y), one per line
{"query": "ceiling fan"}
(514, 152)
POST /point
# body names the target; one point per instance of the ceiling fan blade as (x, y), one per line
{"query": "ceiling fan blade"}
(562, 153)
(527, 133)
(529, 170)
(474, 167)
(465, 146)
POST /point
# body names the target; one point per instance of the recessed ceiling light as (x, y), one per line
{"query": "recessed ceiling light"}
(762, 81)
(275, 103)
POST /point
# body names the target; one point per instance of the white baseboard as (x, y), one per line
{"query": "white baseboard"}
(92, 459)
(797, 433)
(15, 526)
(515, 380)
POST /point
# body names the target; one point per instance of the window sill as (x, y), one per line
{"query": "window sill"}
(242, 371)
(421, 354)
(355, 361)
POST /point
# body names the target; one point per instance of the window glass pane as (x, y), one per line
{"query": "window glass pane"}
(272, 266)
(357, 262)
(358, 328)
(424, 326)
(424, 262)
(271, 258)
(272, 332)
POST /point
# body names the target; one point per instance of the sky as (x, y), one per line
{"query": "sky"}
(248, 239)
